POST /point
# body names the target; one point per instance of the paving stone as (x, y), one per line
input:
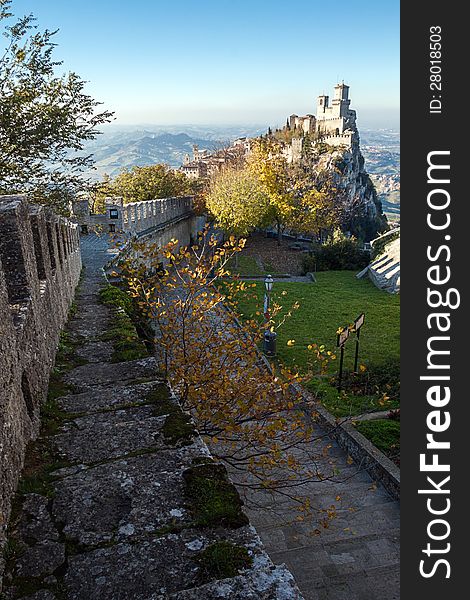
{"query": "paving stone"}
(35, 523)
(141, 571)
(95, 352)
(41, 559)
(103, 398)
(114, 434)
(87, 376)
(272, 584)
(41, 595)
(123, 499)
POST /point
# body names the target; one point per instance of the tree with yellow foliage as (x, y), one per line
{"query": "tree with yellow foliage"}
(250, 416)
(298, 199)
(237, 201)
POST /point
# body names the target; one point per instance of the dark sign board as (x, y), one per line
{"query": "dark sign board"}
(359, 322)
(342, 337)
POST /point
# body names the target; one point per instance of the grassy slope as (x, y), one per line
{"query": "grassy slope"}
(335, 300)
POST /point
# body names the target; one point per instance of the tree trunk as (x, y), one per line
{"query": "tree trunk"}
(279, 234)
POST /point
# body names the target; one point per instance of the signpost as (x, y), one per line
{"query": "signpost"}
(343, 336)
(358, 323)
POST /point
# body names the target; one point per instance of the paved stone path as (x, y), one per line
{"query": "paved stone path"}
(100, 532)
(112, 522)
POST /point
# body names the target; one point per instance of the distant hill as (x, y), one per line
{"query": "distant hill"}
(125, 147)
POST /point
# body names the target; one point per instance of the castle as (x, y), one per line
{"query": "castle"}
(333, 124)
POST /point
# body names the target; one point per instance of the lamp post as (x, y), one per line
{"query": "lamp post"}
(269, 336)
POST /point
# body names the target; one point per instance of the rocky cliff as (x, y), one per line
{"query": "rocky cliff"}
(360, 208)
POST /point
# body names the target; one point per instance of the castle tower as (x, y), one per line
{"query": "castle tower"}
(341, 100)
(322, 104)
(341, 91)
(195, 152)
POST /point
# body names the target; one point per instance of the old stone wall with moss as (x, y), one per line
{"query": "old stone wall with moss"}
(40, 267)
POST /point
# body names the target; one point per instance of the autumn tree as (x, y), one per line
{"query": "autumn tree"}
(315, 205)
(249, 414)
(299, 199)
(150, 182)
(45, 118)
(237, 201)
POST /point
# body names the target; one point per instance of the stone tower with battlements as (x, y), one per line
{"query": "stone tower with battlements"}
(336, 118)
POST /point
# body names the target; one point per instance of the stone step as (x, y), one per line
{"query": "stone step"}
(85, 377)
(99, 398)
(114, 434)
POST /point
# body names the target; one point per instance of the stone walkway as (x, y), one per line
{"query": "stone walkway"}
(111, 523)
(102, 511)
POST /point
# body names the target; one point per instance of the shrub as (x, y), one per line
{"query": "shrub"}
(345, 254)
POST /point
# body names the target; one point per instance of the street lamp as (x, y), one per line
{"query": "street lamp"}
(268, 284)
(269, 336)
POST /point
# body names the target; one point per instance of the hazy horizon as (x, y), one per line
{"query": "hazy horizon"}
(219, 62)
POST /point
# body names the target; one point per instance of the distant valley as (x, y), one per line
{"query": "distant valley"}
(381, 151)
(122, 147)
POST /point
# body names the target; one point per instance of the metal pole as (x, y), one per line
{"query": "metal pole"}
(340, 377)
(356, 357)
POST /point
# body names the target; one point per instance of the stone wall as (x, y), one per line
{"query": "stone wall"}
(40, 266)
(342, 139)
(135, 217)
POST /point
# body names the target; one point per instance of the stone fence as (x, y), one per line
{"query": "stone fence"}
(140, 216)
(340, 139)
(135, 217)
(40, 267)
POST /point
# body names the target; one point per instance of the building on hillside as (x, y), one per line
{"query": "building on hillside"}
(335, 118)
(204, 163)
(305, 124)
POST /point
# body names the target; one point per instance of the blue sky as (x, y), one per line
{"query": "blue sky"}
(219, 61)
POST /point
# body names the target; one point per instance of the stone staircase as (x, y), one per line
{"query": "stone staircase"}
(384, 271)
(102, 510)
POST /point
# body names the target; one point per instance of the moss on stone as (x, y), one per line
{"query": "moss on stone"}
(214, 499)
(41, 461)
(57, 388)
(12, 550)
(128, 318)
(52, 416)
(66, 358)
(122, 333)
(178, 428)
(113, 296)
(160, 394)
(224, 559)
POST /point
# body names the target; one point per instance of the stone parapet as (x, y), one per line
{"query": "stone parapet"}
(40, 267)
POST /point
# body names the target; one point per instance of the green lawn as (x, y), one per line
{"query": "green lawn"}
(335, 300)
(248, 267)
(385, 434)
